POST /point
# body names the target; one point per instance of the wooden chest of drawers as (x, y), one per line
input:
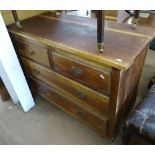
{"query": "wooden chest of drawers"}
(62, 64)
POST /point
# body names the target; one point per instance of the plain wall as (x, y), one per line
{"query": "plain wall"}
(22, 14)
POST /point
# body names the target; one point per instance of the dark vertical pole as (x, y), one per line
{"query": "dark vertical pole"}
(15, 16)
(100, 30)
(136, 16)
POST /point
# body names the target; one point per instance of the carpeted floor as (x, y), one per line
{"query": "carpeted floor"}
(45, 124)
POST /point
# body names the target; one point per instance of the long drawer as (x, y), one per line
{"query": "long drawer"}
(99, 123)
(71, 89)
(33, 52)
(96, 79)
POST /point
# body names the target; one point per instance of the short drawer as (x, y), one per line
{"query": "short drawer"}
(33, 52)
(70, 88)
(88, 76)
(87, 116)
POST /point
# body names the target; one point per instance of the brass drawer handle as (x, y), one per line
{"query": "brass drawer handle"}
(43, 90)
(37, 72)
(76, 71)
(31, 52)
(79, 94)
(81, 114)
(56, 67)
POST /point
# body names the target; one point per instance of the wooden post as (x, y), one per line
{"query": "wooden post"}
(15, 16)
(100, 30)
(3, 91)
(136, 16)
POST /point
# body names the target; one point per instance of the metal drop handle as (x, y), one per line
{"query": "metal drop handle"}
(81, 114)
(31, 52)
(76, 71)
(42, 90)
(37, 72)
(79, 94)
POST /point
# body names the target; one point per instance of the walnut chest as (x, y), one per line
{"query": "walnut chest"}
(62, 64)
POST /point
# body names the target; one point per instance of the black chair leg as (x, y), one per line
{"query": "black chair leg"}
(126, 135)
(151, 82)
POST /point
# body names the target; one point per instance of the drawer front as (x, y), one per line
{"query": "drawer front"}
(72, 89)
(97, 80)
(35, 53)
(87, 116)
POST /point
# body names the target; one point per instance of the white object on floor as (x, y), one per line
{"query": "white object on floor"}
(12, 70)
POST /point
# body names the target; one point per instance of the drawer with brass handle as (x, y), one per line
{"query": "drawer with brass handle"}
(43, 90)
(80, 94)
(30, 52)
(76, 71)
(87, 115)
(36, 72)
(35, 53)
(99, 80)
(81, 114)
(70, 88)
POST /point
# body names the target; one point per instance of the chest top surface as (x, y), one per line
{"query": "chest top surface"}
(77, 35)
